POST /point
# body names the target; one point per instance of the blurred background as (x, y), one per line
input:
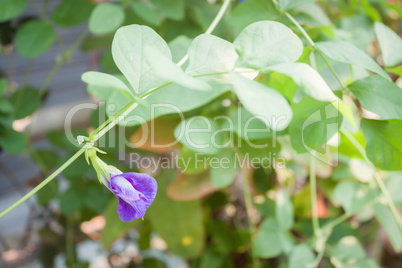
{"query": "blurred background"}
(46, 45)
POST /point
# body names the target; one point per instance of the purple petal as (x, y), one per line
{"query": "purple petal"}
(126, 211)
(135, 191)
(144, 184)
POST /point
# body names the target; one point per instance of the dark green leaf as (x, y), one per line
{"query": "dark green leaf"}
(95, 198)
(11, 8)
(11, 141)
(115, 228)
(35, 38)
(173, 9)
(252, 11)
(25, 101)
(70, 202)
(51, 190)
(72, 12)
(384, 143)
(178, 223)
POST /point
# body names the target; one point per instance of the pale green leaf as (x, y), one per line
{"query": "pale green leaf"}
(128, 53)
(166, 102)
(289, 4)
(104, 80)
(168, 71)
(313, 124)
(284, 210)
(300, 257)
(266, 43)
(390, 44)
(106, 18)
(347, 53)
(263, 101)
(267, 244)
(353, 196)
(307, 78)
(223, 171)
(387, 221)
(200, 134)
(379, 95)
(211, 54)
(348, 249)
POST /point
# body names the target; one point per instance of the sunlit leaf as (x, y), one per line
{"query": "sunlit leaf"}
(266, 43)
(263, 101)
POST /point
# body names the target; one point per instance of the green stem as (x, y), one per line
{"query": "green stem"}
(313, 194)
(43, 183)
(104, 124)
(377, 177)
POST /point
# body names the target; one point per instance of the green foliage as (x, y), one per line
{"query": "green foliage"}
(114, 227)
(35, 38)
(263, 101)
(252, 11)
(379, 96)
(278, 42)
(25, 102)
(314, 123)
(269, 90)
(106, 18)
(384, 143)
(179, 223)
(146, 13)
(267, 244)
(11, 9)
(347, 53)
(71, 13)
(390, 44)
(289, 4)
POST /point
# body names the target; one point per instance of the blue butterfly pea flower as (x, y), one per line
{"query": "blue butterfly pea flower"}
(135, 192)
